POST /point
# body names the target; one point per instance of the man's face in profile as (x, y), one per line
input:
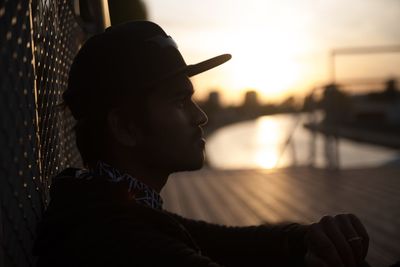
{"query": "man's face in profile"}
(174, 140)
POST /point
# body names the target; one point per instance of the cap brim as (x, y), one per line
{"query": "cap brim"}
(191, 70)
(203, 66)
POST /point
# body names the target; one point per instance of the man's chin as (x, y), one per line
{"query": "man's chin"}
(191, 166)
(196, 167)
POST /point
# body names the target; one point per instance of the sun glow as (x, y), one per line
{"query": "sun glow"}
(263, 63)
(266, 51)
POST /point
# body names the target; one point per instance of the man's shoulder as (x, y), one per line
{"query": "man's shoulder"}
(83, 203)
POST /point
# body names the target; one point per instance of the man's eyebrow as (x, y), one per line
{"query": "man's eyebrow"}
(185, 92)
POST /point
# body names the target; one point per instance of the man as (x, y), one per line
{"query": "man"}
(137, 123)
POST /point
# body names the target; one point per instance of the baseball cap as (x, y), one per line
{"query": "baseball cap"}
(127, 59)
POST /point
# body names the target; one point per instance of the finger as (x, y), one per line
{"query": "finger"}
(339, 240)
(320, 244)
(313, 260)
(360, 229)
(349, 232)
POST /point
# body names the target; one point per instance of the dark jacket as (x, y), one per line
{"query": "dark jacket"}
(92, 222)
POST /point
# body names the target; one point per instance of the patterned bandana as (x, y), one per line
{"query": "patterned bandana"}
(141, 192)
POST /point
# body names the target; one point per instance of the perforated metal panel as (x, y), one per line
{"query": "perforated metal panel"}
(38, 40)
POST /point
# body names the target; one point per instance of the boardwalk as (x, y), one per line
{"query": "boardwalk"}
(245, 197)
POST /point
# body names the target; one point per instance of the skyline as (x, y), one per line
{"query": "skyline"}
(279, 49)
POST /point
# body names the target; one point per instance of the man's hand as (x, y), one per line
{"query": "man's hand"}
(339, 241)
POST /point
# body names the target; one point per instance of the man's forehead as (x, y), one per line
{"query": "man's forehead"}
(179, 85)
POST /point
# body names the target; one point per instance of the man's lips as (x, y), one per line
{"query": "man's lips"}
(199, 135)
(201, 142)
(199, 138)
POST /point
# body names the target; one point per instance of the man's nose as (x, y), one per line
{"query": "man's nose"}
(200, 116)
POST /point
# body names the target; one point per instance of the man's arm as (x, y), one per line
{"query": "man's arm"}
(340, 241)
(263, 245)
(149, 248)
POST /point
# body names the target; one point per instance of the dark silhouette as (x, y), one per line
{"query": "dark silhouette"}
(137, 123)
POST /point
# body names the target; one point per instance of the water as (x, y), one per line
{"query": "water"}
(260, 143)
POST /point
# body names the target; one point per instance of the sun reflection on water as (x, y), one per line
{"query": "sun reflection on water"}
(269, 136)
(266, 159)
(253, 144)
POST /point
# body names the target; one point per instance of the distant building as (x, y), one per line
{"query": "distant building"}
(251, 99)
(214, 100)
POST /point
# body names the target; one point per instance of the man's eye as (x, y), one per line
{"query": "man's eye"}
(181, 103)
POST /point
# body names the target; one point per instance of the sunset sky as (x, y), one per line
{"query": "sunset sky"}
(280, 47)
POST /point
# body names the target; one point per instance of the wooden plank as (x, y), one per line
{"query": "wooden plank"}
(239, 199)
(265, 213)
(271, 191)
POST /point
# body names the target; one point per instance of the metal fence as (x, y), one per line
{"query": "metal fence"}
(38, 40)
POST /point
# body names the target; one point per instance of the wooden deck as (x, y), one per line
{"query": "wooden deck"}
(248, 197)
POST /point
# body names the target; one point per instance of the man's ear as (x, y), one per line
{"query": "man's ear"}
(120, 130)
